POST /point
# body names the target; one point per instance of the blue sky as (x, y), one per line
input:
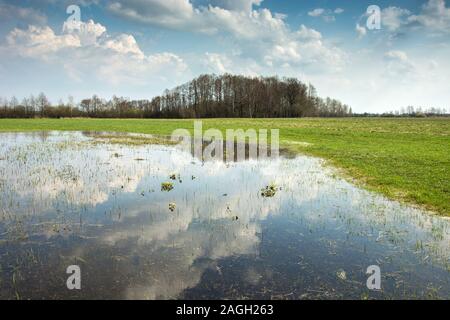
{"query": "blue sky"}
(138, 48)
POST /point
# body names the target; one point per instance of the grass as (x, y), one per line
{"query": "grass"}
(404, 159)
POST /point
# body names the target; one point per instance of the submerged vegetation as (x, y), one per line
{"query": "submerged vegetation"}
(166, 186)
(405, 159)
(269, 191)
(127, 139)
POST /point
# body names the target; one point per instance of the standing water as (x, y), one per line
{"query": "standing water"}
(152, 222)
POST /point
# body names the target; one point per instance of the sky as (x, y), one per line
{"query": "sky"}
(373, 61)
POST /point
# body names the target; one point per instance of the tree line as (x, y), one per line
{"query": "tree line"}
(409, 112)
(208, 96)
(231, 96)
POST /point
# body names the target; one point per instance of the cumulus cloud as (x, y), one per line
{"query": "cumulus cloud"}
(260, 34)
(182, 15)
(39, 41)
(310, 44)
(255, 26)
(87, 50)
(305, 33)
(124, 44)
(87, 33)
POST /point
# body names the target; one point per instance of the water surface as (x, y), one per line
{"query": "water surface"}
(72, 199)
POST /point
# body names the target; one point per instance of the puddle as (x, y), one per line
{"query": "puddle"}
(211, 233)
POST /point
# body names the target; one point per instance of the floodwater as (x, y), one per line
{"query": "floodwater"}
(73, 199)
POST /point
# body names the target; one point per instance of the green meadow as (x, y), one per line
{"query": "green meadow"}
(404, 159)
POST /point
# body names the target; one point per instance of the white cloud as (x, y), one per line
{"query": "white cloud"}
(39, 41)
(88, 33)
(262, 43)
(316, 12)
(435, 16)
(217, 63)
(181, 15)
(393, 18)
(326, 14)
(89, 51)
(260, 34)
(305, 33)
(306, 48)
(125, 44)
(255, 25)
(178, 14)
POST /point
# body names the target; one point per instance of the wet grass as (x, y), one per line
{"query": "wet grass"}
(404, 159)
(136, 140)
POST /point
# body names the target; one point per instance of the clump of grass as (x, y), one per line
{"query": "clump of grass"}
(166, 186)
(341, 274)
(269, 191)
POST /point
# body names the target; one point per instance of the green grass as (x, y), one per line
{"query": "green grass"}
(404, 159)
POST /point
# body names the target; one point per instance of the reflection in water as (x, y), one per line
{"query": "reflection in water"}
(68, 198)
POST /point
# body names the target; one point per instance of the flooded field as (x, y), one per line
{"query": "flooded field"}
(152, 222)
